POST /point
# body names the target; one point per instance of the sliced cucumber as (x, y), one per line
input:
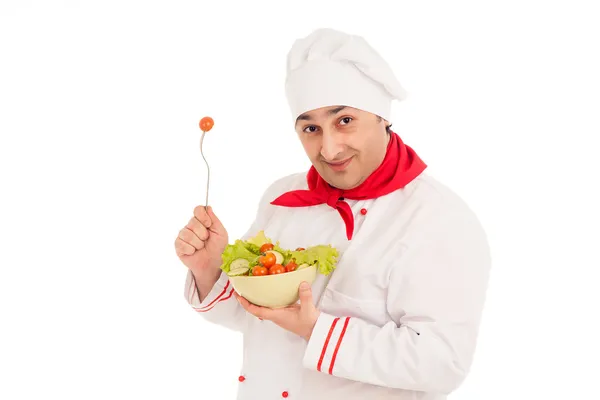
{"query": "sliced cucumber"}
(238, 271)
(302, 266)
(278, 256)
(240, 263)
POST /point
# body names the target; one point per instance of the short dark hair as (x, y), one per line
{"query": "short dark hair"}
(387, 127)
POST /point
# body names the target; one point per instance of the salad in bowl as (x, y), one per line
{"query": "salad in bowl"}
(268, 275)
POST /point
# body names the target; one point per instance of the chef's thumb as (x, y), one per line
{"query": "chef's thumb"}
(305, 294)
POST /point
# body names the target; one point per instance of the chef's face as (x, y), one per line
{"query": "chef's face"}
(343, 143)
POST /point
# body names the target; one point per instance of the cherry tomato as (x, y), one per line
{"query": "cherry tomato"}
(300, 249)
(268, 260)
(291, 266)
(260, 271)
(276, 269)
(206, 124)
(266, 247)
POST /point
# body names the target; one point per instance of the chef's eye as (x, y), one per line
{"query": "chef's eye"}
(310, 129)
(345, 120)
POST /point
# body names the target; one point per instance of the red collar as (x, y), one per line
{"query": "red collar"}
(399, 167)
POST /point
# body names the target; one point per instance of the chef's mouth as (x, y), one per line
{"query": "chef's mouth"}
(340, 165)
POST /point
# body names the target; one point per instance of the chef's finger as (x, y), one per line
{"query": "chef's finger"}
(243, 302)
(183, 249)
(251, 308)
(190, 238)
(216, 226)
(239, 299)
(198, 228)
(202, 216)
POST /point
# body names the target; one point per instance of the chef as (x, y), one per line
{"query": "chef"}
(399, 316)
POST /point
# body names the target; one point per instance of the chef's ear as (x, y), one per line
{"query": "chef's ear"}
(388, 125)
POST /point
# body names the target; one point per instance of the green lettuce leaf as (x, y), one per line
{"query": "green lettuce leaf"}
(259, 239)
(287, 255)
(237, 250)
(324, 256)
(252, 248)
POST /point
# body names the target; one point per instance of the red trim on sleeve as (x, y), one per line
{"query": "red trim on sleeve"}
(337, 347)
(216, 300)
(229, 295)
(326, 344)
(220, 300)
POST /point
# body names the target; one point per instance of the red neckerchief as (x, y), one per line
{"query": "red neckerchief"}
(399, 167)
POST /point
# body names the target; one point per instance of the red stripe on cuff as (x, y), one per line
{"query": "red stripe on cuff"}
(326, 343)
(229, 295)
(337, 347)
(223, 299)
(206, 308)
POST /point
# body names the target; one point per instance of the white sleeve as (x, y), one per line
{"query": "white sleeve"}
(219, 306)
(435, 299)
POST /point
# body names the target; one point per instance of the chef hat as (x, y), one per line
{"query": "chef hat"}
(329, 68)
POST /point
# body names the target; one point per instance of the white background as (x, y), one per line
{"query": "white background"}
(100, 168)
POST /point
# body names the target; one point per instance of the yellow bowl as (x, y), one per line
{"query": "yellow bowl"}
(273, 291)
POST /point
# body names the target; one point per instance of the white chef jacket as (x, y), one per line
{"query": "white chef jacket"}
(399, 315)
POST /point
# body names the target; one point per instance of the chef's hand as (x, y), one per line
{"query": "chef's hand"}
(297, 318)
(201, 242)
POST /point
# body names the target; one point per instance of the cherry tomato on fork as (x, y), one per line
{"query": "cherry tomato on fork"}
(206, 124)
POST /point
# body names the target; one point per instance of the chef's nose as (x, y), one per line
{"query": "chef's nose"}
(331, 145)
